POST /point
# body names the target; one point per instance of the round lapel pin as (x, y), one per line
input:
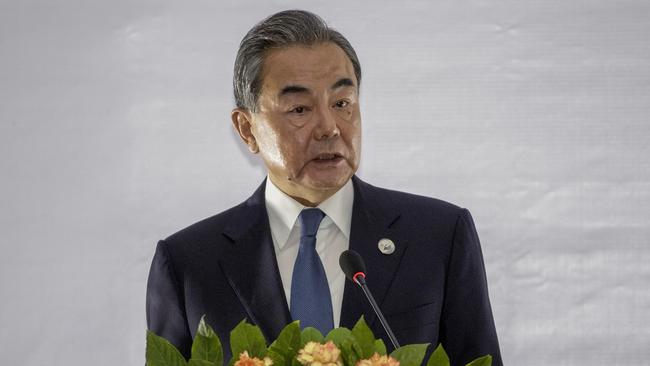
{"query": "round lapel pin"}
(386, 246)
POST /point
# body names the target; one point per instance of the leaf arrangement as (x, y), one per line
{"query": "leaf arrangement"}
(355, 345)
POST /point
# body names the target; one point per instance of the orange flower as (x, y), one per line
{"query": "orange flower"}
(377, 360)
(316, 354)
(245, 360)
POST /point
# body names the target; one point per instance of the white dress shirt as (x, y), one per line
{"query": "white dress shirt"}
(332, 239)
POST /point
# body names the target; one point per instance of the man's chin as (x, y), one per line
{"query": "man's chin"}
(311, 191)
(327, 183)
(327, 175)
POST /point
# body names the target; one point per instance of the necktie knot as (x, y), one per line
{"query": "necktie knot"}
(310, 219)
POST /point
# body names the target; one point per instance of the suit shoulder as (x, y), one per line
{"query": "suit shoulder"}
(411, 202)
(209, 229)
(215, 229)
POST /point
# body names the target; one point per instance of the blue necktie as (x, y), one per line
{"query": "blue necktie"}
(311, 302)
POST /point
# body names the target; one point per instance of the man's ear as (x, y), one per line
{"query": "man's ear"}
(242, 121)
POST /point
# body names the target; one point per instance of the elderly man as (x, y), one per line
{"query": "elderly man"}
(274, 258)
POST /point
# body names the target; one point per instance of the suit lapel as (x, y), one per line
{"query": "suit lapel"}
(373, 218)
(251, 267)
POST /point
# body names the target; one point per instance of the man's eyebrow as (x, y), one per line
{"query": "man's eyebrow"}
(292, 89)
(342, 82)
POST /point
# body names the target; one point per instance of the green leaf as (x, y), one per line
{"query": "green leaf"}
(162, 353)
(295, 362)
(439, 357)
(195, 362)
(410, 355)
(247, 337)
(348, 352)
(482, 361)
(357, 350)
(288, 343)
(206, 345)
(380, 347)
(207, 349)
(365, 339)
(204, 329)
(277, 358)
(338, 336)
(310, 334)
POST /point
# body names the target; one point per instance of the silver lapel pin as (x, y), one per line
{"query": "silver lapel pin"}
(386, 246)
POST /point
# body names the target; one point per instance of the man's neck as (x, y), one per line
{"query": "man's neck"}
(283, 210)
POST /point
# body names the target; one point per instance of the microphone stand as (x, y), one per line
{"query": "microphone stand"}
(360, 279)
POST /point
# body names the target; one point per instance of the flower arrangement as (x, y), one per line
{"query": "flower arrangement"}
(340, 347)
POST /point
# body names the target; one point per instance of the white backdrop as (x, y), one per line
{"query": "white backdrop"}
(535, 115)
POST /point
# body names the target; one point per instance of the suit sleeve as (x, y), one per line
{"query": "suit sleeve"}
(165, 305)
(467, 326)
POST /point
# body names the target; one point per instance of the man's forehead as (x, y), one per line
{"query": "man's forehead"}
(323, 65)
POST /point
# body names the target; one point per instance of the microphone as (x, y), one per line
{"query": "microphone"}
(355, 270)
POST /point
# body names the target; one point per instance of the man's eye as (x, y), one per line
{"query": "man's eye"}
(342, 104)
(299, 110)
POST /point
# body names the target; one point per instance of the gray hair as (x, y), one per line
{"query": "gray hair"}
(280, 30)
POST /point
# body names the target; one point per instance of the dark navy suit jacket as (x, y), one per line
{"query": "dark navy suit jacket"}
(431, 289)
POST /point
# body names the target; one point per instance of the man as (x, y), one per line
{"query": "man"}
(274, 257)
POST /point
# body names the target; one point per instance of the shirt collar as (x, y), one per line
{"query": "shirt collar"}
(283, 211)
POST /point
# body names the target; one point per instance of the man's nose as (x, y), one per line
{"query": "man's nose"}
(326, 124)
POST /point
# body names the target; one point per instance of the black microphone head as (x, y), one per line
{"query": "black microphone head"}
(351, 263)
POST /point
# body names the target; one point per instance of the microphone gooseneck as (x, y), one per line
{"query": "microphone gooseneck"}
(355, 270)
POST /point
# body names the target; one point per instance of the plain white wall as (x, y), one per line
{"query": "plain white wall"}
(115, 132)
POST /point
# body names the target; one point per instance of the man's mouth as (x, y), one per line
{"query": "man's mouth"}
(328, 158)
